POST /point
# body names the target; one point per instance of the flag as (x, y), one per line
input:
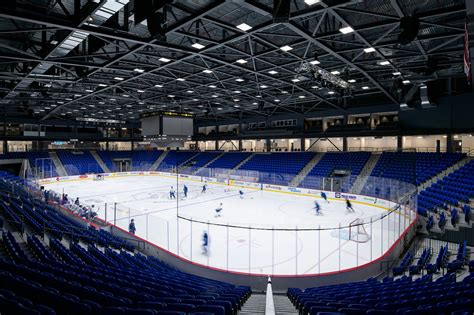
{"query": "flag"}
(467, 57)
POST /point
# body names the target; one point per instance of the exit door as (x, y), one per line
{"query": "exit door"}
(122, 165)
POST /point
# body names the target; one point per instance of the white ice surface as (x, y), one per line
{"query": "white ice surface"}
(301, 242)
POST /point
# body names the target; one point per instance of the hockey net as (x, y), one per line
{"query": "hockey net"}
(98, 177)
(357, 232)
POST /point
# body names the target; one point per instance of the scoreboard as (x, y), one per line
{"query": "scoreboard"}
(169, 129)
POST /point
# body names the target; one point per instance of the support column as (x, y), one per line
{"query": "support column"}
(470, 25)
(399, 143)
(344, 144)
(303, 144)
(268, 145)
(240, 144)
(450, 144)
(5, 146)
(216, 146)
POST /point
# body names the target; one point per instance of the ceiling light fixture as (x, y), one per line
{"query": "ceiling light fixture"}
(162, 59)
(286, 48)
(272, 72)
(346, 30)
(244, 27)
(369, 50)
(198, 46)
(241, 61)
(311, 2)
(207, 71)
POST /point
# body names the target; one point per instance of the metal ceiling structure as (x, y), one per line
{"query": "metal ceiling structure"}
(73, 59)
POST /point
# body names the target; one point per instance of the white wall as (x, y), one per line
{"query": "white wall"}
(467, 141)
(371, 144)
(207, 145)
(255, 145)
(19, 146)
(424, 143)
(323, 146)
(232, 145)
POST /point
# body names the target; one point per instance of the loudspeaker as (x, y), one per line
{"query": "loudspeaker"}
(281, 11)
(155, 25)
(409, 27)
(145, 9)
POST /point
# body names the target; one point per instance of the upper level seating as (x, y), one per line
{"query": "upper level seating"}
(456, 188)
(92, 278)
(143, 160)
(413, 167)
(401, 296)
(175, 158)
(353, 162)
(79, 162)
(201, 159)
(229, 160)
(277, 168)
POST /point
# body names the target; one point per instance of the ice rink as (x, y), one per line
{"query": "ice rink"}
(264, 232)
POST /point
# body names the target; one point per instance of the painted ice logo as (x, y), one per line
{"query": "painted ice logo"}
(337, 195)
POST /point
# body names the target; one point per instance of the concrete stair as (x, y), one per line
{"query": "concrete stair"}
(158, 161)
(100, 162)
(242, 163)
(305, 171)
(57, 164)
(254, 305)
(444, 173)
(283, 305)
(208, 163)
(365, 173)
(183, 166)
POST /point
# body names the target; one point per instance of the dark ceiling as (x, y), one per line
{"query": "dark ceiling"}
(90, 59)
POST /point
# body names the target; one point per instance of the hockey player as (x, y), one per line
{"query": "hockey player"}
(218, 211)
(241, 193)
(349, 206)
(204, 188)
(185, 191)
(324, 196)
(172, 193)
(205, 243)
(317, 208)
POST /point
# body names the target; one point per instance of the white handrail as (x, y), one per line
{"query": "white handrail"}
(269, 304)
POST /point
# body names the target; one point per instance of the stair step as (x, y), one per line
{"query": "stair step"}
(100, 162)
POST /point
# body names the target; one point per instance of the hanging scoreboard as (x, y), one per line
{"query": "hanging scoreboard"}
(169, 129)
